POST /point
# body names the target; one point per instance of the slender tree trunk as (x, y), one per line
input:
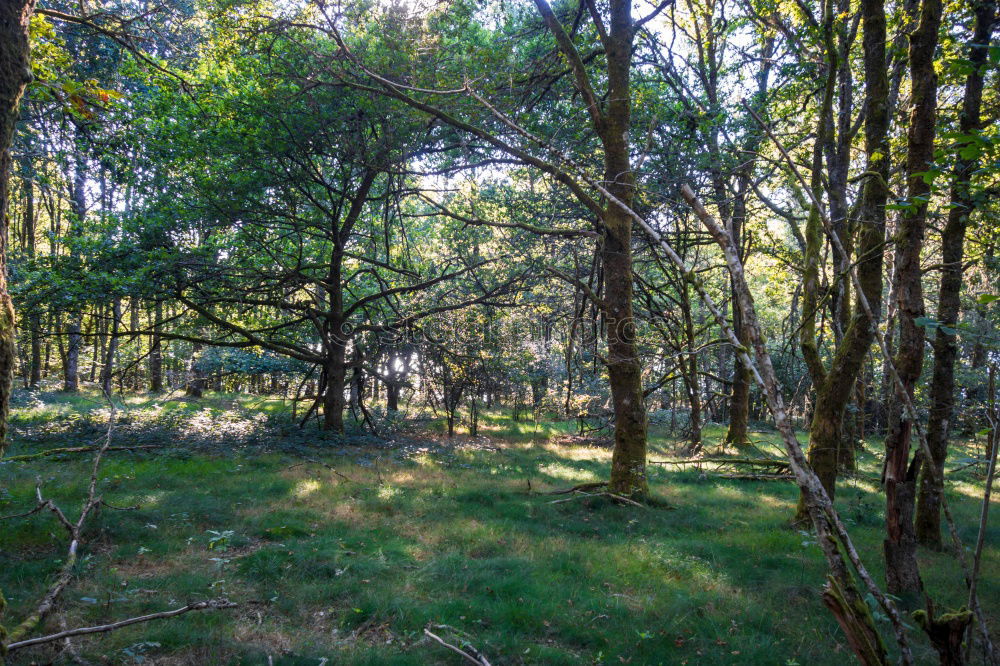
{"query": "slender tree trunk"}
(739, 401)
(71, 379)
(35, 372)
(156, 350)
(74, 340)
(107, 371)
(98, 332)
(900, 473)
(690, 372)
(34, 319)
(928, 516)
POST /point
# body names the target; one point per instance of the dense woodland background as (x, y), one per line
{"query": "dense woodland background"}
(696, 231)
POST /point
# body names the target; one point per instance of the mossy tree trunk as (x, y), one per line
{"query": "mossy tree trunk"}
(928, 515)
(900, 472)
(15, 73)
(837, 384)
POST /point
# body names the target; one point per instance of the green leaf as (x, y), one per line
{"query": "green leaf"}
(986, 299)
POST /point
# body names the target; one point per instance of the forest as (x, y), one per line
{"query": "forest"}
(499, 332)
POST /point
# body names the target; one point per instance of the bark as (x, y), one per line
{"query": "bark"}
(333, 398)
(900, 473)
(15, 73)
(156, 350)
(942, 394)
(628, 462)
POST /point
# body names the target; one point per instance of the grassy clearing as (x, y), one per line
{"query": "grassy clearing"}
(426, 532)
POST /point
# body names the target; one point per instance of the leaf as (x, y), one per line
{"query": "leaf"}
(986, 299)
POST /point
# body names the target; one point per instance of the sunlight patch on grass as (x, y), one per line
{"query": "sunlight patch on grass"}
(306, 487)
(561, 471)
(387, 492)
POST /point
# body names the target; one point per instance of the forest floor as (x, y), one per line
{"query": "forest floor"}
(412, 530)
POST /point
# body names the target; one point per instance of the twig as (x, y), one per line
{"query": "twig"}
(212, 604)
(479, 658)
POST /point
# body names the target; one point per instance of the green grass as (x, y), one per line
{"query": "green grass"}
(352, 571)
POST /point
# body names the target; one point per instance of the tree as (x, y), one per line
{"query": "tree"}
(963, 204)
(609, 117)
(15, 74)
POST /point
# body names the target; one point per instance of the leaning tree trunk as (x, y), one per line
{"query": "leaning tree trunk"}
(900, 473)
(928, 516)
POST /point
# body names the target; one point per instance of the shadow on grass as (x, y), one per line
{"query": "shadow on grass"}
(353, 570)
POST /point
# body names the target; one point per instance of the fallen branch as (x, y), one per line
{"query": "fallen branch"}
(578, 488)
(751, 462)
(77, 449)
(212, 604)
(475, 658)
(327, 465)
(756, 477)
(580, 493)
(73, 530)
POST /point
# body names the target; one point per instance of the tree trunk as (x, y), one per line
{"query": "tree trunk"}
(928, 516)
(739, 400)
(35, 372)
(628, 461)
(900, 474)
(15, 73)
(71, 379)
(156, 350)
(689, 366)
(195, 375)
(333, 398)
(107, 371)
